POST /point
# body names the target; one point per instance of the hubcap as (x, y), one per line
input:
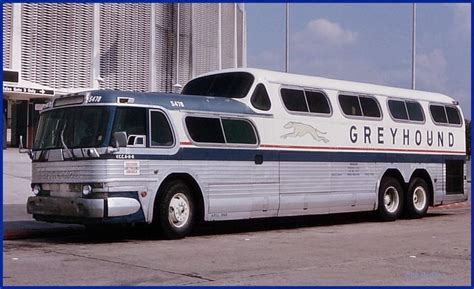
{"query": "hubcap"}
(391, 199)
(419, 198)
(178, 210)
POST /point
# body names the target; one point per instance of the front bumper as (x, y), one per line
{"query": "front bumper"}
(82, 210)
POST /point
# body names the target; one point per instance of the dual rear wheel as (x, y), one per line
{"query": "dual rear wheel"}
(393, 201)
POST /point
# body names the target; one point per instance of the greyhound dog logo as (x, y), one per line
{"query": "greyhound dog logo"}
(301, 129)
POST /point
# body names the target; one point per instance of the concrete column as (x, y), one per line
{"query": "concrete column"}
(219, 36)
(96, 77)
(16, 37)
(153, 68)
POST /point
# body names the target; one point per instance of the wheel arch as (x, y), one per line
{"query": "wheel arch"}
(394, 173)
(423, 174)
(194, 186)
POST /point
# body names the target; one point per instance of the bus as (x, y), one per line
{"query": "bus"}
(246, 143)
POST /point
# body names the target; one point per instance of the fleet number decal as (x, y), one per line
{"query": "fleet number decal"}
(94, 98)
(175, 103)
(125, 157)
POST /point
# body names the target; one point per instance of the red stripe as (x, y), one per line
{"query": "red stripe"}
(350, 148)
(359, 149)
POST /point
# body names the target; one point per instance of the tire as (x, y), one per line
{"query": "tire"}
(390, 199)
(418, 199)
(174, 212)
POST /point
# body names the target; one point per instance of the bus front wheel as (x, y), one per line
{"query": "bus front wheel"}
(417, 199)
(174, 211)
(390, 199)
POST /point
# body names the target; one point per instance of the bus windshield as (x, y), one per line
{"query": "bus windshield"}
(73, 127)
(231, 84)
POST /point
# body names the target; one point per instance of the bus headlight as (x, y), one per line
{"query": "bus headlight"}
(86, 190)
(36, 189)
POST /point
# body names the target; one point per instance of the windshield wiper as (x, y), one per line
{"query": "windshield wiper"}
(71, 152)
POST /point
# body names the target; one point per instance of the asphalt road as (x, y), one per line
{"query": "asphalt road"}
(343, 249)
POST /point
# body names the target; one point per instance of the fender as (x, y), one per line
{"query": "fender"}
(154, 191)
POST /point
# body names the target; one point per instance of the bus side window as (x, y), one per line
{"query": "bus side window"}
(369, 106)
(260, 99)
(131, 120)
(318, 102)
(205, 129)
(350, 105)
(453, 115)
(438, 113)
(294, 100)
(160, 130)
(398, 109)
(415, 112)
(238, 131)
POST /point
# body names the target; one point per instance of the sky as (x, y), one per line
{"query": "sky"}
(368, 43)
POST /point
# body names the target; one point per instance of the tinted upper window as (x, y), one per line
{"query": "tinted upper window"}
(160, 130)
(415, 112)
(350, 104)
(317, 102)
(231, 84)
(398, 109)
(453, 115)
(369, 105)
(260, 99)
(239, 131)
(406, 110)
(204, 129)
(438, 113)
(294, 99)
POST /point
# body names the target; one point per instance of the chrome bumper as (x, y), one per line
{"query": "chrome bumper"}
(81, 207)
(70, 207)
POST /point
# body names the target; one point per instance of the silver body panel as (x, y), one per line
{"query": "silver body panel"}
(241, 189)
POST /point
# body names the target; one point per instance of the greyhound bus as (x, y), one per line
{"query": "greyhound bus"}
(246, 143)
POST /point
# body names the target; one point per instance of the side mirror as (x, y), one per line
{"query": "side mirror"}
(119, 139)
(22, 149)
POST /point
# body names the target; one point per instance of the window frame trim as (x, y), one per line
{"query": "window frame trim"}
(307, 113)
(219, 117)
(150, 110)
(446, 114)
(359, 117)
(406, 109)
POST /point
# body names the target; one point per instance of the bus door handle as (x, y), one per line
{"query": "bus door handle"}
(258, 159)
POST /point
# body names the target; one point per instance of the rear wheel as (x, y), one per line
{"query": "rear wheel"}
(418, 198)
(390, 199)
(174, 212)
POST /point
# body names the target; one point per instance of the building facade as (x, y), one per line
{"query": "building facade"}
(53, 49)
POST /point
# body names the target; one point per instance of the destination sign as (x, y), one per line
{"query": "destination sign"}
(41, 91)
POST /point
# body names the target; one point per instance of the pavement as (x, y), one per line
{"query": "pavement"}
(17, 223)
(342, 249)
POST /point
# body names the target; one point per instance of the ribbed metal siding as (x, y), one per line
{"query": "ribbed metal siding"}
(165, 43)
(125, 31)
(57, 44)
(227, 34)
(205, 38)
(7, 35)
(185, 38)
(240, 36)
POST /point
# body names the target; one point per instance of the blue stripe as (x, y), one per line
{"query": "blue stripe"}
(226, 154)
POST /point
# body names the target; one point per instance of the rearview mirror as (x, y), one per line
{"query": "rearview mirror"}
(119, 139)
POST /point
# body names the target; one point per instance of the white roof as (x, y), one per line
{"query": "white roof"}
(339, 85)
